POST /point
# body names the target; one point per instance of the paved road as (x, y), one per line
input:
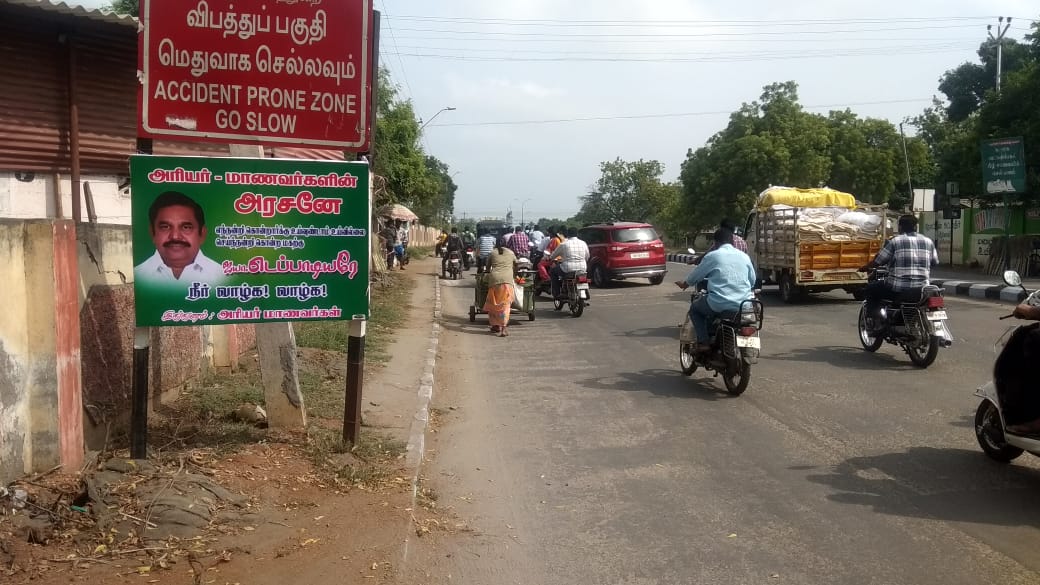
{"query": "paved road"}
(580, 455)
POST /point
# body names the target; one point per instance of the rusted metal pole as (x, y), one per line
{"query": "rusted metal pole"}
(355, 381)
(77, 213)
(139, 410)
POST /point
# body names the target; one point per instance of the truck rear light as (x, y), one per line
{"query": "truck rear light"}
(808, 275)
(747, 331)
(936, 302)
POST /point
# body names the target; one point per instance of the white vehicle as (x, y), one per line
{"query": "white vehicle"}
(991, 428)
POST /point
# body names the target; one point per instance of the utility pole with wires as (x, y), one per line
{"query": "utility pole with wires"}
(1002, 28)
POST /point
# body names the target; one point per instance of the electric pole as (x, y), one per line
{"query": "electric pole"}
(1002, 28)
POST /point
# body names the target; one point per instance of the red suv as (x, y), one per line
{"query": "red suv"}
(623, 250)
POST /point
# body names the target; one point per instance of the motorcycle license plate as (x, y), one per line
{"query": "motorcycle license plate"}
(752, 342)
(937, 316)
(636, 255)
(583, 286)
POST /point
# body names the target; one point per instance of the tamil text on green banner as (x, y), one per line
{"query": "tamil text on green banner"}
(229, 240)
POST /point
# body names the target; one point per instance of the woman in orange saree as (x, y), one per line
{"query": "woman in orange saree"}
(501, 269)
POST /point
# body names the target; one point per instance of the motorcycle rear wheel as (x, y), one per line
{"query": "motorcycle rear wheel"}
(922, 357)
(557, 304)
(737, 378)
(989, 432)
(870, 343)
(577, 308)
(687, 363)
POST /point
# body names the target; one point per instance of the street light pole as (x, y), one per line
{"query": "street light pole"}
(1002, 29)
(445, 109)
(522, 204)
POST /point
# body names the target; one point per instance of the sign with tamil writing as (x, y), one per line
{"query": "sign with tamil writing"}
(1003, 166)
(247, 240)
(290, 72)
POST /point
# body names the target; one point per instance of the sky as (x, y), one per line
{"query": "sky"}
(660, 76)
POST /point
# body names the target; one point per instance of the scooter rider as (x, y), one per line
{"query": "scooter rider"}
(910, 257)
(573, 255)
(452, 244)
(731, 281)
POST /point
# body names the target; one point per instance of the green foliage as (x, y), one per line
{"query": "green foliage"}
(774, 141)
(412, 178)
(627, 191)
(131, 7)
(968, 85)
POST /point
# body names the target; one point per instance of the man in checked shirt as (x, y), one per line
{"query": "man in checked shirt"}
(909, 258)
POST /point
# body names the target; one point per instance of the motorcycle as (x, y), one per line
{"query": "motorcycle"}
(574, 293)
(454, 264)
(470, 259)
(918, 324)
(991, 427)
(735, 344)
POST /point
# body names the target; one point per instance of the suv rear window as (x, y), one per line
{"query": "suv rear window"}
(635, 235)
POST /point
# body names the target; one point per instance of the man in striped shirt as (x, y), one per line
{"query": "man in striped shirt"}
(909, 258)
(485, 243)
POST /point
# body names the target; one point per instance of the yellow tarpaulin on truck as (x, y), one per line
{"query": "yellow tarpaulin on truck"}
(821, 197)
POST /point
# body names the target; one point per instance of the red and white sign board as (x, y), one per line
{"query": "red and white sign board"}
(286, 72)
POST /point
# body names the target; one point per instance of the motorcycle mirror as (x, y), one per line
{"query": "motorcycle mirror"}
(1012, 278)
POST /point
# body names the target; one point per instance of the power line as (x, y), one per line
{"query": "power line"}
(404, 73)
(766, 33)
(768, 56)
(673, 54)
(672, 115)
(681, 23)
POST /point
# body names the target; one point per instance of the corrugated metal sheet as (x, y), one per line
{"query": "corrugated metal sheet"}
(75, 11)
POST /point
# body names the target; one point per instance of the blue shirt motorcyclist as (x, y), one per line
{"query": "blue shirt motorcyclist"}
(731, 281)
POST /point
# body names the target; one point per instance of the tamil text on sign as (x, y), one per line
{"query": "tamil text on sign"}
(293, 72)
(226, 240)
(1003, 166)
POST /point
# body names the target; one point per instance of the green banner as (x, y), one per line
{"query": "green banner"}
(1003, 166)
(249, 240)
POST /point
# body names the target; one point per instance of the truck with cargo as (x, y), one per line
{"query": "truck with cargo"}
(813, 240)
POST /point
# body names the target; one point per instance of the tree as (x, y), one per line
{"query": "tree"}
(625, 191)
(131, 7)
(967, 86)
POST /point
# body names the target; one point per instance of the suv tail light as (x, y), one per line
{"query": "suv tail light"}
(936, 302)
(616, 249)
(747, 331)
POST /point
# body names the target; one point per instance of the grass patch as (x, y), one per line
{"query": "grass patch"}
(371, 463)
(201, 418)
(420, 251)
(389, 306)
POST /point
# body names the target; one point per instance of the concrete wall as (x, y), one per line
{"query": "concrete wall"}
(38, 195)
(66, 342)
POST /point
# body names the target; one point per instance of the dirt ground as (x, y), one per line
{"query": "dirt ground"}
(276, 509)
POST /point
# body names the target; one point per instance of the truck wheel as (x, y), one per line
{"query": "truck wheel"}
(788, 290)
(859, 294)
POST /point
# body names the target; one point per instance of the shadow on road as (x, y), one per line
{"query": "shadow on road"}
(939, 484)
(667, 331)
(845, 357)
(665, 383)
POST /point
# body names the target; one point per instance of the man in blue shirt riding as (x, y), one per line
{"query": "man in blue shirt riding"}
(731, 281)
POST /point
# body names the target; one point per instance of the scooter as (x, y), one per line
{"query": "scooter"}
(917, 325)
(991, 428)
(470, 259)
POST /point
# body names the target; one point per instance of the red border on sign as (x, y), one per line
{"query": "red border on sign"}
(201, 78)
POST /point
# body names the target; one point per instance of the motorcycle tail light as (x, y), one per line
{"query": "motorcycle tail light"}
(583, 279)
(747, 331)
(936, 302)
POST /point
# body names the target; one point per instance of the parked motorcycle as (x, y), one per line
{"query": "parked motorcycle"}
(991, 427)
(918, 325)
(574, 293)
(735, 344)
(454, 264)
